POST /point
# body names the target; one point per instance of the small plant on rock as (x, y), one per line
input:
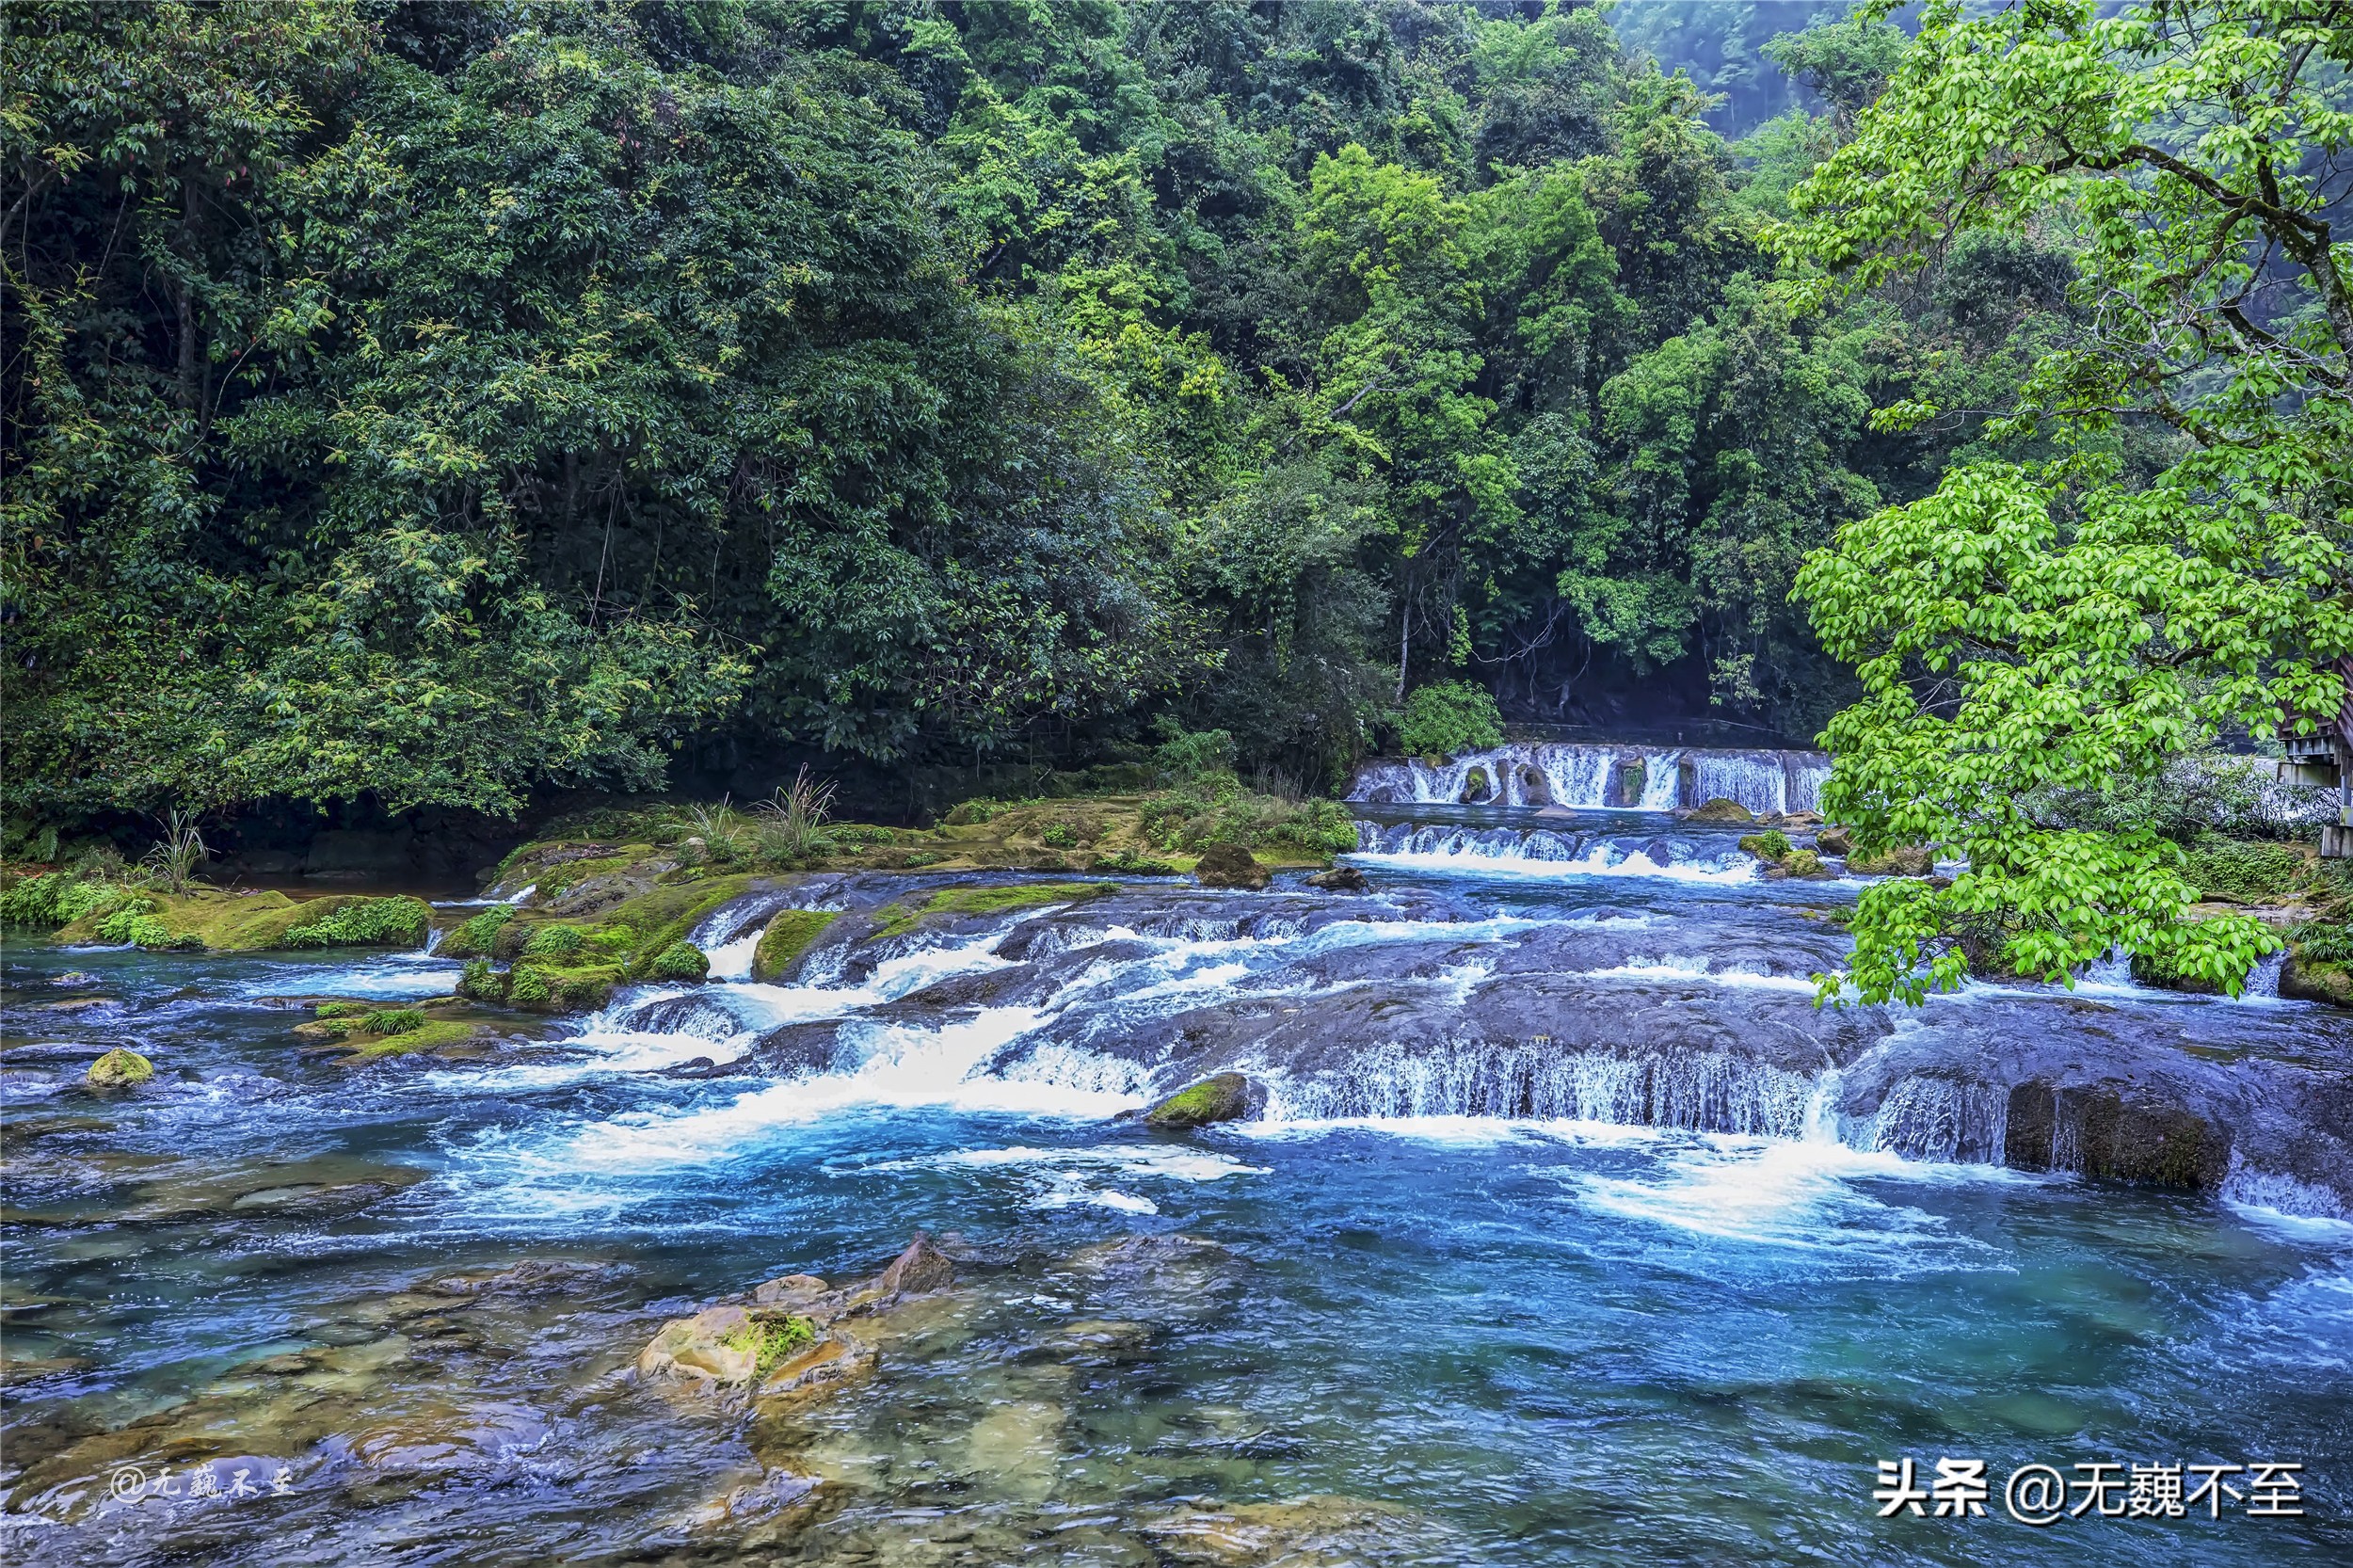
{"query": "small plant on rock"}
(393, 1020)
(554, 941)
(173, 862)
(771, 1341)
(794, 822)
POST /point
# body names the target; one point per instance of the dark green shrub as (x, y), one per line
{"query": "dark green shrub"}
(144, 929)
(480, 982)
(389, 923)
(1447, 719)
(1772, 845)
(554, 941)
(679, 961)
(477, 937)
(2244, 872)
(528, 987)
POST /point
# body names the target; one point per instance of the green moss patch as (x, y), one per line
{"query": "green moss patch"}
(771, 1341)
(786, 937)
(990, 900)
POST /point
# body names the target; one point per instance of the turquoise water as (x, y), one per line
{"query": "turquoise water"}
(1493, 1341)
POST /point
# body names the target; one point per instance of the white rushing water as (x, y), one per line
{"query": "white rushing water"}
(1601, 778)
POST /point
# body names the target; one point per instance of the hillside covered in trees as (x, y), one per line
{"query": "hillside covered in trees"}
(434, 403)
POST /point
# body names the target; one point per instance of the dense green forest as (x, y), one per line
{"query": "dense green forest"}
(432, 403)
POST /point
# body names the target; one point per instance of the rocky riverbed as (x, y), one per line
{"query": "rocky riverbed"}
(1504, 1193)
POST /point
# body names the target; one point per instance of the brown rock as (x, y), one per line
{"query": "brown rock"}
(1339, 879)
(1230, 866)
(1720, 809)
(789, 1289)
(919, 1268)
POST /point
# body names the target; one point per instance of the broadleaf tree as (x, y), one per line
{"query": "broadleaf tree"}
(2087, 617)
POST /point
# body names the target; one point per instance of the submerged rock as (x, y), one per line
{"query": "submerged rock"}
(1225, 1098)
(1340, 879)
(119, 1068)
(1298, 1530)
(1230, 866)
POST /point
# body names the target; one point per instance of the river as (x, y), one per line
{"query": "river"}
(1655, 1281)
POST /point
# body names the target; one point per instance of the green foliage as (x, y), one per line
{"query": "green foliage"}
(399, 923)
(1447, 719)
(554, 941)
(2248, 872)
(1772, 845)
(55, 898)
(771, 1341)
(679, 961)
(139, 928)
(527, 987)
(393, 1020)
(2323, 941)
(174, 861)
(1059, 835)
(474, 936)
(2037, 630)
(1184, 756)
(340, 1010)
(438, 411)
(794, 822)
(478, 981)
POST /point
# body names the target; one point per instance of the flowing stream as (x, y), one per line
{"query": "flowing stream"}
(1570, 1231)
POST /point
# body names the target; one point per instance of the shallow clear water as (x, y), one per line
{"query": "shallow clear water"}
(1544, 1342)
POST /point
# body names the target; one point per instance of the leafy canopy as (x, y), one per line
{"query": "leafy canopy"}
(2064, 624)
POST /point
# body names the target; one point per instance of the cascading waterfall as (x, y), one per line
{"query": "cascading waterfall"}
(1550, 852)
(1600, 777)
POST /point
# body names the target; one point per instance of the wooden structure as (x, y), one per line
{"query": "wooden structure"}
(2325, 757)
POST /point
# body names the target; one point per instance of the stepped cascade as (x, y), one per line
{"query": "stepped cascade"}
(1600, 777)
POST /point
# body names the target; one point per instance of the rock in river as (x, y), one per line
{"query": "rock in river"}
(119, 1068)
(1230, 866)
(1225, 1098)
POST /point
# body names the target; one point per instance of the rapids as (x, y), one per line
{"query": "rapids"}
(1571, 1231)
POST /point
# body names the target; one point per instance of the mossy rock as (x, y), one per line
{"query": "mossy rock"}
(1833, 839)
(786, 937)
(477, 936)
(1225, 1098)
(1477, 789)
(221, 922)
(1720, 810)
(1900, 860)
(1772, 844)
(2305, 978)
(680, 961)
(1230, 866)
(966, 901)
(119, 1068)
(1801, 865)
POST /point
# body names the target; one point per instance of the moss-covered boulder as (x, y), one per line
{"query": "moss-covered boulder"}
(2305, 977)
(119, 1068)
(786, 938)
(1771, 845)
(680, 961)
(1230, 865)
(1800, 864)
(355, 1033)
(1225, 1098)
(1898, 861)
(217, 921)
(1720, 810)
